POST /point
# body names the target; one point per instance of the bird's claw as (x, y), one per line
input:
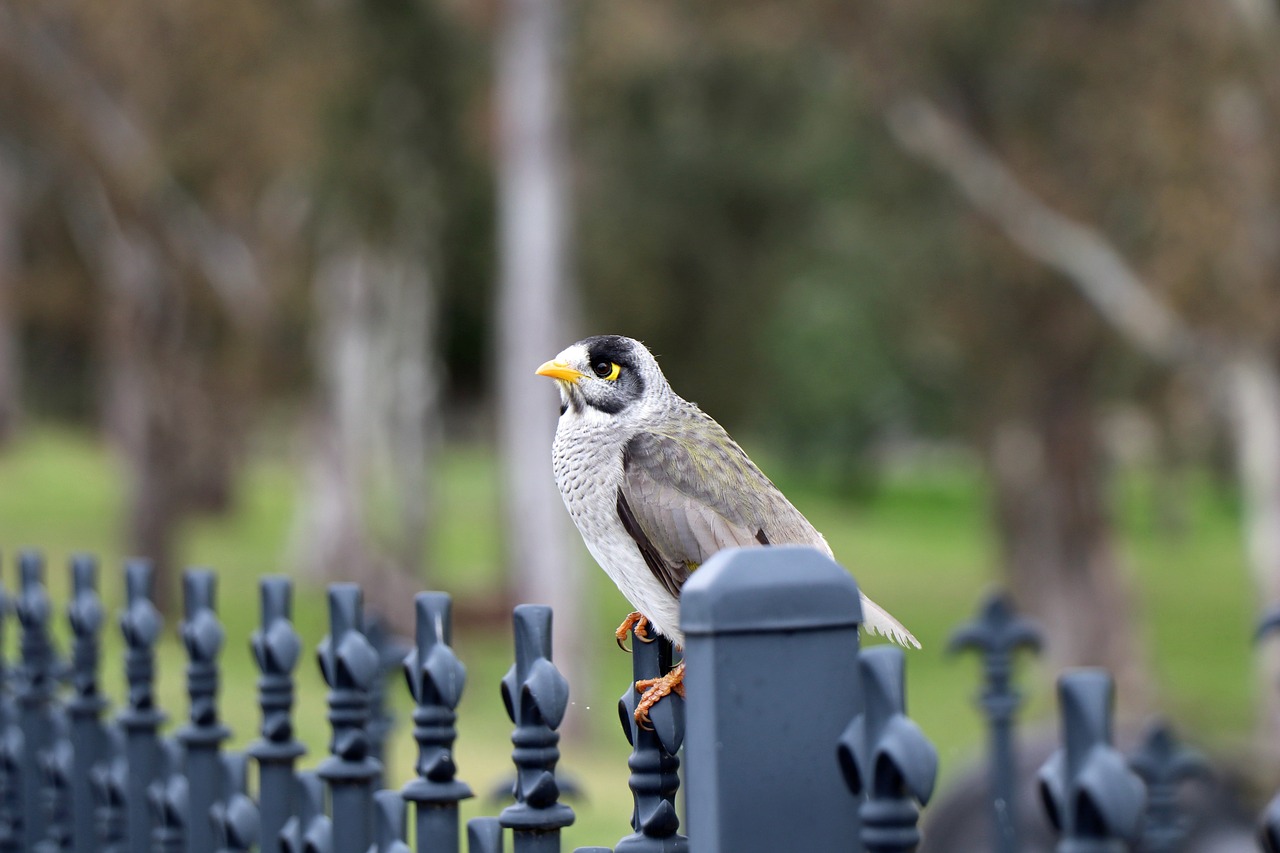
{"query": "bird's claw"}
(634, 622)
(653, 689)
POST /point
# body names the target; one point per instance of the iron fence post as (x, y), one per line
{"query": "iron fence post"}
(772, 662)
(886, 758)
(389, 823)
(85, 708)
(536, 696)
(55, 770)
(109, 783)
(997, 634)
(654, 765)
(1093, 799)
(349, 664)
(11, 833)
(276, 649)
(140, 623)
(436, 679)
(202, 736)
(168, 798)
(36, 685)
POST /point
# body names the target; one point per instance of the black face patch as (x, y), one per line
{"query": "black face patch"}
(629, 386)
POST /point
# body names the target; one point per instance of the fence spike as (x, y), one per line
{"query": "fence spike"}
(141, 719)
(1092, 797)
(1164, 764)
(350, 665)
(536, 696)
(484, 835)
(85, 615)
(37, 682)
(390, 651)
(654, 765)
(436, 679)
(276, 649)
(11, 833)
(997, 634)
(886, 757)
(202, 736)
(56, 770)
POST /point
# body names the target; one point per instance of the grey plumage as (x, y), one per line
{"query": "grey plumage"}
(656, 486)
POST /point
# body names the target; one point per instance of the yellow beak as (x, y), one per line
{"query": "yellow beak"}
(559, 370)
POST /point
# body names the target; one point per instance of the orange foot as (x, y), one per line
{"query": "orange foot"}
(655, 688)
(635, 620)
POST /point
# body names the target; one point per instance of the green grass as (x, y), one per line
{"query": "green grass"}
(922, 549)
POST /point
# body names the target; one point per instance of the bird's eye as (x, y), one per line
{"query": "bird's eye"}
(606, 370)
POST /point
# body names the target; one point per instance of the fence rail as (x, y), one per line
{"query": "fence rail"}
(796, 739)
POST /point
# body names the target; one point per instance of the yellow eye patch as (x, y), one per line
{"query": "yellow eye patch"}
(613, 371)
(607, 370)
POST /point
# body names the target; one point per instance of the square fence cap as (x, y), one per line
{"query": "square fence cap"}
(769, 589)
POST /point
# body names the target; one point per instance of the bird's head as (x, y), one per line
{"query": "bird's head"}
(606, 373)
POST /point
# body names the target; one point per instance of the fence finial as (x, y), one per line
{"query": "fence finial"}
(1164, 764)
(276, 649)
(109, 783)
(536, 696)
(85, 614)
(169, 803)
(655, 776)
(203, 735)
(484, 835)
(37, 682)
(997, 634)
(1092, 797)
(436, 679)
(886, 757)
(140, 624)
(349, 664)
(389, 823)
(310, 830)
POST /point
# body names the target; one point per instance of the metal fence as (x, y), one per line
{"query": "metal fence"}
(793, 739)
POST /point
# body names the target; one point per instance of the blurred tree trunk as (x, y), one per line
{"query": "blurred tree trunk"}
(10, 371)
(366, 512)
(535, 305)
(1054, 528)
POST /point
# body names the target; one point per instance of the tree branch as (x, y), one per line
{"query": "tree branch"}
(1078, 252)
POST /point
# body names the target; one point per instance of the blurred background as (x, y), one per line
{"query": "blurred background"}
(989, 289)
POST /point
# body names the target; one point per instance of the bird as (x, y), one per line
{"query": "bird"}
(656, 487)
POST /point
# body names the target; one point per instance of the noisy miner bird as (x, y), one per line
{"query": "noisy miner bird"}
(656, 487)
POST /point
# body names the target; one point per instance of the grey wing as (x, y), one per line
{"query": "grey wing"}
(686, 494)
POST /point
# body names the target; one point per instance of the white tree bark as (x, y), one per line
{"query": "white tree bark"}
(534, 299)
(365, 514)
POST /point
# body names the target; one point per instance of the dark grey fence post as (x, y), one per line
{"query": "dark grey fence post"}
(391, 653)
(276, 649)
(436, 679)
(997, 634)
(1091, 795)
(350, 665)
(203, 735)
(235, 818)
(484, 835)
(36, 685)
(310, 830)
(655, 768)
(536, 696)
(772, 661)
(87, 704)
(140, 623)
(886, 758)
(1164, 764)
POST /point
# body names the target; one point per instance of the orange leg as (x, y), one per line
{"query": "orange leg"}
(655, 688)
(636, 621)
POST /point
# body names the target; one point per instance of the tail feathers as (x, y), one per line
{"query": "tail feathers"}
(877, 620)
